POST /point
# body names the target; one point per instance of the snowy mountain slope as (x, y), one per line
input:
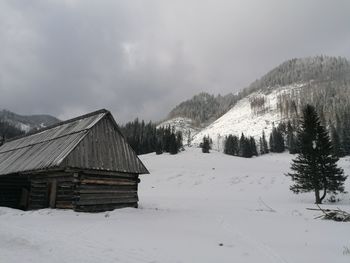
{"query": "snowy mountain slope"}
(242, 118)
(194, 207)
(184, 125)
(323, 82)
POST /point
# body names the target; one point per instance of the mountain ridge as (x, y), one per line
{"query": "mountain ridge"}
(27, 122)
(323, 81)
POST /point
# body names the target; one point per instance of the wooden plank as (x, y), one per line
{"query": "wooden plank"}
(107, 182)
(107, 173)
(107, 196)
(64, 205)
(106, 191)
(112, 179)
(104, 187)
(107, 201)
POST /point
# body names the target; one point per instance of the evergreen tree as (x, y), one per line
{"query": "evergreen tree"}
(345, 134)
(261, 147)
(146, 138)
(276, 141)
(231, 145)
(272, 143)
(254, 151)
(235, 145)
(189, 138)
(179, 144)
(228, 147)
(315, 168)
(291, 140)
(173, 147)
(337, 150)
(205, 145)
(245, 148)
(159, 147)
(241, 145)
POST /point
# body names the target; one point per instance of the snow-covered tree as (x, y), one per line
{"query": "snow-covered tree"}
(315, 167)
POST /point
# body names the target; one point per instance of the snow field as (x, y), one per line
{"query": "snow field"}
(194, 207)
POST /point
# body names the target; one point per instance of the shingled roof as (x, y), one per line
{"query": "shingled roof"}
(49, 147)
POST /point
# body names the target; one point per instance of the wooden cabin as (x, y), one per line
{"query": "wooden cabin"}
(83, 164)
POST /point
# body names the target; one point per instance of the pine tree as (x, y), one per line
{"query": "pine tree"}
(276, 141)
(173, 148)
(241, 145)
(291, 140)
(179, 140)
(228, 147)
(205, 145)
(231, 145)
(253, 146)
(189, 138)
(235, 145)
(159, 147)
(345, 140)
(315, 168)
(245, 148)
(272, 143)
(261, 148)
(337, 150)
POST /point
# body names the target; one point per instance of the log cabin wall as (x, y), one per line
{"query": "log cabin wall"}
(96, 192)
(54, 190)
(84, 191)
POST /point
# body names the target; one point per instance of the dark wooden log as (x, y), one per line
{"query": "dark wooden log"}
(107, 201)
(106, 196)
(108, 182)
(105, 191)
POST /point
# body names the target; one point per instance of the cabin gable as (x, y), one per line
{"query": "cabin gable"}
(105, 148)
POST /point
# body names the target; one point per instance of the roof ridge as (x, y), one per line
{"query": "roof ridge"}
(59, 124)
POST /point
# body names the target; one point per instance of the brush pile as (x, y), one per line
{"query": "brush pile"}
(332, 214)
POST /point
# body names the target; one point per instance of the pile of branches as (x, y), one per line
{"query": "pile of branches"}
(332, 214)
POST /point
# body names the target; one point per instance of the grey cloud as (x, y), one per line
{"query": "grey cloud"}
(140, 58)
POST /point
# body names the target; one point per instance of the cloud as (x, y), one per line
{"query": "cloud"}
(141, 58)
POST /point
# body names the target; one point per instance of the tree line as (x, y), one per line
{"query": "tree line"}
(146, 138)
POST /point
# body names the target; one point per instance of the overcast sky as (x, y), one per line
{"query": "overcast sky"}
(141, 58)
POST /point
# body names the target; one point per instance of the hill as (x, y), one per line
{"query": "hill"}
(279, 97)
(27, 122)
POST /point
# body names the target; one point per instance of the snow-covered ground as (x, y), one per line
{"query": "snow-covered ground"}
(194, 207)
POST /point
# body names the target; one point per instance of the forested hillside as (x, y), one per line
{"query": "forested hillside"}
(27, 122)
(204, 108)
(276, 98)
(13, 125)
(325, 81)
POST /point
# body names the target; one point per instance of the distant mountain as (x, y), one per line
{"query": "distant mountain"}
(27, 122)
(276, 97)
